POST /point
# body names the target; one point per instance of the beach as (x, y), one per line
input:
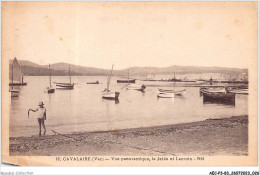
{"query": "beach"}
(211, 137)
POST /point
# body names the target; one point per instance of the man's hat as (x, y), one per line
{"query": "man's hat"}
(40, 103)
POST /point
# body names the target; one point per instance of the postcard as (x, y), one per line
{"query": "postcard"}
(129, 83)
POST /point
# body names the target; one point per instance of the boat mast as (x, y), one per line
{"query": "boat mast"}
(128, 76)
(50, 74)
(12, 77)
(21, 71)
(69, 75)
(108, 82)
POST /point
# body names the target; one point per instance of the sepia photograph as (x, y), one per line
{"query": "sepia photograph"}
(137, 82)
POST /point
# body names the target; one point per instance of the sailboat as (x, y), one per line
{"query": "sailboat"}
(14, 92)
(126, 80)
(50, 89)
(107, 94)
(134, 86)
(17, 74)
(169, 93)
(65, 85)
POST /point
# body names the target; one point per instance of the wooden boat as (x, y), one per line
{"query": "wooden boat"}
(165, 95)
(176, 92)
(13, 92)
(50, 89)
(107, 94)
(128, 80)
(239, 91)
(93, 82)
(136, 87)
(133, 86)
(17, 77)
(65, 86)
(220, 96)
(213, 89)
(110, 95)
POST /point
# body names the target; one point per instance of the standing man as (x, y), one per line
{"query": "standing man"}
(41, 116)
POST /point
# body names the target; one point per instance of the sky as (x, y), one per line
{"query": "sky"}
(126, 34)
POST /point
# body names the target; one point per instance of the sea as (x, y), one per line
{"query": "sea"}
(83, 109)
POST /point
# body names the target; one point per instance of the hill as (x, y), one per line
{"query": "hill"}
(61, 69)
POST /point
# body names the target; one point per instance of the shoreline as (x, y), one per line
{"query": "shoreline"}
(225, 136)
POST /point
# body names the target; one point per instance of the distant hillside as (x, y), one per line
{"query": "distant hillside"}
(61, 69)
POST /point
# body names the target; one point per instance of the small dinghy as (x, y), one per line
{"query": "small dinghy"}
(14, 93)
(97, 82)
(176, 92)
(107, 94)
(165, 95)
(213, 89)
(240, 91)
(136, 87)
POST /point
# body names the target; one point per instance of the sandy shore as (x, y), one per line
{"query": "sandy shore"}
(228, 136)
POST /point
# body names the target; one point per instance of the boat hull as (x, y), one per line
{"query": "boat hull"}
(14, 93)
(65, 86)
(92, 82)
(213, 90)
(240, 91)
(136, 87)
(110, 95)
(50, 90)
(165, 95)
(126, 81)
(17, 84)
(176, 92)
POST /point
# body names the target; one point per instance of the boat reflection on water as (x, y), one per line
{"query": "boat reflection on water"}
(218, 101)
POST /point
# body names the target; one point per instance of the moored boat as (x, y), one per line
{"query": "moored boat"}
(165, 95)
(50, 89)
(110, 95)
(107, 94)
(17, 77)
(65, 86)
(13, 92)
(240, 91)
(176, 92)
(96, 82)
(219, 96)
(213, 89)
(139, 87)
(126, 81)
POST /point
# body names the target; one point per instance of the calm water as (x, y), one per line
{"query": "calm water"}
(83, 109)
